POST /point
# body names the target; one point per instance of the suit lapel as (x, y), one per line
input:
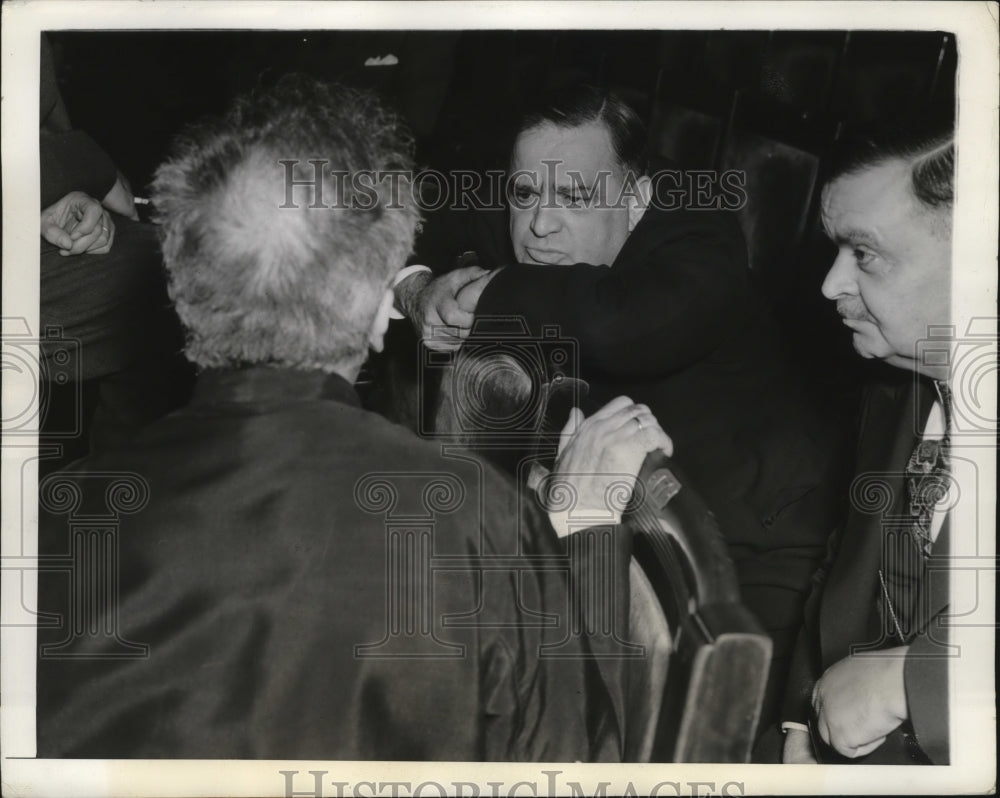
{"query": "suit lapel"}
(889, 430)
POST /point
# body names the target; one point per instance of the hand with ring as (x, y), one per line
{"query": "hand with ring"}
(598, 453)
(78, 224)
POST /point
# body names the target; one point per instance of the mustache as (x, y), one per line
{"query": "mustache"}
(853, 309)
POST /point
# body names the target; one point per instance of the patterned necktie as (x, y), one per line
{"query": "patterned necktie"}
(909, 546)
(927, 477)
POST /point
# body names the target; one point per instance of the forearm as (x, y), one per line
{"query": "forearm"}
(73, 161)
(120, 199)
(628, 325)
(408, 294)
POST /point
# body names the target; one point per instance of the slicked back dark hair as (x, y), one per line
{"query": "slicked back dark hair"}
(931, 156)
(582, 103)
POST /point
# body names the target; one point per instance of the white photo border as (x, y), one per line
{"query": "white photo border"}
(971, 686)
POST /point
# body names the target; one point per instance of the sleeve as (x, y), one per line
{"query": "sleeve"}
(925, 677)
(805, 668)
(806, 665)
(52, 111)
(73, 161)
(70, 159)
(678, 288)
(925, 672)
(552, 691)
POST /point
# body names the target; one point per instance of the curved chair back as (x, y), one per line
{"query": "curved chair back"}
(718, 665)
(696, 694)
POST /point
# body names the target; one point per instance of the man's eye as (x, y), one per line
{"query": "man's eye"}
(571, 199)
(863, 257)
(522, 196)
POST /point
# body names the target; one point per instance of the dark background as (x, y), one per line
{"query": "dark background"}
(772, 103)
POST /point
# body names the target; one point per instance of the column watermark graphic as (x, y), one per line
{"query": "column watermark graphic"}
(93, 504)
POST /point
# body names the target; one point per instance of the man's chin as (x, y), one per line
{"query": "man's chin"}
(871, 349)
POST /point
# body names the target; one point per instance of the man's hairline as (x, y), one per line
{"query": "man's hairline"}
(942, 212)
(910, 162)
(623, 169)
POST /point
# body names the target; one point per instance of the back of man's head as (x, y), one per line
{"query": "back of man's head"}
(278, 236)
(583, 103)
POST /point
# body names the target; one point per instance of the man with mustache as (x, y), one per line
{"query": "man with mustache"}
(660, 299)
(870, 673)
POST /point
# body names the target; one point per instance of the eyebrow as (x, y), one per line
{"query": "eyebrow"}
(855, 235)
(571, 186)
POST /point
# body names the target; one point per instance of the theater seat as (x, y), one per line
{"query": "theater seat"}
(713, 684)
(696, 693)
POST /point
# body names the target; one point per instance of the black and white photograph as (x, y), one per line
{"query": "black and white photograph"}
(497, 399)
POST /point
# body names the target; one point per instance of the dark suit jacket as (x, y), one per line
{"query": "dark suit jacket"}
(842, 616)
(254, 559)
(677, 324)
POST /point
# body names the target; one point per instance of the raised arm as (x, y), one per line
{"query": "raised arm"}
(677, 289)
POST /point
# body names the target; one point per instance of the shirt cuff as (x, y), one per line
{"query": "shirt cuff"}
(401, 275)
(565, 523)
(789, 725)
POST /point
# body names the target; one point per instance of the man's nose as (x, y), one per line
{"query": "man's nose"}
(841, 279)
(545, 220)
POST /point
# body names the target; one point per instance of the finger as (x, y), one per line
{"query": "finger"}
(864, 750)
(647, 425)
(103, 244)
(444, 332)
(651, 434)
(613, 423)
(460, 277)
(824, 728)
(452, 315)
(649, 437)
(470, 293)
(616, 405)
(56, 236)
(85, 243)
(90, 220)
(655, 439)
(570, 428)
(466, 305)
(468, 297)
(441, 344)
(629, 415)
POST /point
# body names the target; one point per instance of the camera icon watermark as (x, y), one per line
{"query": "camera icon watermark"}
(32, 365)
(496, 387)
(971, 362)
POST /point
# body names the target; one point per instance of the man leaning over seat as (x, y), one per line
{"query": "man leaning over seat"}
(664, 309)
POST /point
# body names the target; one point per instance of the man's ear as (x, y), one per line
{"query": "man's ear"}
(638, 200)
(376, 335)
